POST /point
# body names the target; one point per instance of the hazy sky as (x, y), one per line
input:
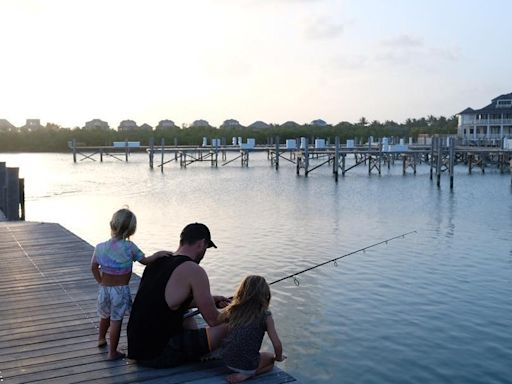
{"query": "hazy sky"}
(69, 61)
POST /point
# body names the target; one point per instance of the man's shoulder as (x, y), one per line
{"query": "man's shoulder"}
(174, 261)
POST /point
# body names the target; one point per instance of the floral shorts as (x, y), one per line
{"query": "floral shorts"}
(114, 302)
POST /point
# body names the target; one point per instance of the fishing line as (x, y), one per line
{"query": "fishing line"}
(334, 261)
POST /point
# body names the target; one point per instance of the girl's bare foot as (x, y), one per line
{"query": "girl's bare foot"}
(102, 343)
(237, 378)
(116, 356)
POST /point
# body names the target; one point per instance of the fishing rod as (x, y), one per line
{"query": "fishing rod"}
(334, 260)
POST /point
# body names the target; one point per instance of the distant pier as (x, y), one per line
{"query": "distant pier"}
(442, 154)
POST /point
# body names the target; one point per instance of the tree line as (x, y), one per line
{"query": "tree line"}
(53, 138)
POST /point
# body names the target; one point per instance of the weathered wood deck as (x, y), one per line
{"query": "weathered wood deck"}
(48, 321)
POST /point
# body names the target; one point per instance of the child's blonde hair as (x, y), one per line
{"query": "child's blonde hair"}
(123, 224)
(251, 300)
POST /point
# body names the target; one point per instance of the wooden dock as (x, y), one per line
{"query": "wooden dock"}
(48, 321)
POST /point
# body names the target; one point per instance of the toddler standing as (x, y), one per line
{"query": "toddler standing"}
(111, 266)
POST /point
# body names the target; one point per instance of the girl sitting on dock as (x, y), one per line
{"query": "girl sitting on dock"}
(111, 266)
(248, 319)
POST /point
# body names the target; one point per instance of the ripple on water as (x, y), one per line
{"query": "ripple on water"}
(434, 307)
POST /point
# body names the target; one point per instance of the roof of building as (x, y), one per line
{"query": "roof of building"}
(319, 122)
(6, 124)
(200, 123)
(491, 108)
(259, 124)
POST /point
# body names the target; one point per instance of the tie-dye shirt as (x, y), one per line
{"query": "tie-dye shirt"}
(116, 257)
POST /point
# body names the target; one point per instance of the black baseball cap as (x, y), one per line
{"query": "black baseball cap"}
(194, 232)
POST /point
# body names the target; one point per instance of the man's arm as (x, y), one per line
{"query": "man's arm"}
(203, 298)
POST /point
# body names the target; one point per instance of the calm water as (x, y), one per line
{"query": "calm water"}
(435, 307)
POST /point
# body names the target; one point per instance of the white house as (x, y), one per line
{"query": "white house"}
(200, 124)
(165, 124)
(259, 125)
(96, 124)
(127, 125)
(32, 125)
(319, 123)
(5, 126)
(491, 122)
(230, 123)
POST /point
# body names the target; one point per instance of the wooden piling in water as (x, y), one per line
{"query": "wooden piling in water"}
(162, 143)
(306, 157)
(336, 165)
(451, 159)
(432, 156)
(151, 151)
(73, 143)
(438, 161)
(3, 187)
(126, 150)
(12, 209)
(277, 154)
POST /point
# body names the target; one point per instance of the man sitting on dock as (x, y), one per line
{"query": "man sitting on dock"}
(170, 286)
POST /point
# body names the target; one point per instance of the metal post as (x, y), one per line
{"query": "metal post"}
(74, 150)
(126, 149)
(101, 155)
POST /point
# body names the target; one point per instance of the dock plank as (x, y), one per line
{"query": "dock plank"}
(48, 322)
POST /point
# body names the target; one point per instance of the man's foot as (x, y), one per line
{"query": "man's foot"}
(237, 378)
(116, 356)
(102, 343)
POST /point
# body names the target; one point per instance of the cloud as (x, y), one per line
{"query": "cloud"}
(453, 54)
(351, 61)
(403, 41)
(406, 49)
(323, 29)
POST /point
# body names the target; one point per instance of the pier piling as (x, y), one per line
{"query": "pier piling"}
(151, 151)
(451, 159)
(162, 143)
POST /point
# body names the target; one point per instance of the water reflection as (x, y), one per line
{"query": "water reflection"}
(438, 299)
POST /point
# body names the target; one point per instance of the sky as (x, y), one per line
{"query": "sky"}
(70, 61)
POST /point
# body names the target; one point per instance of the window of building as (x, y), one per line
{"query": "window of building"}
(481, 116)
(504, 103)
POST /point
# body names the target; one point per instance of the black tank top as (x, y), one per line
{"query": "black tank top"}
(152, 323)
